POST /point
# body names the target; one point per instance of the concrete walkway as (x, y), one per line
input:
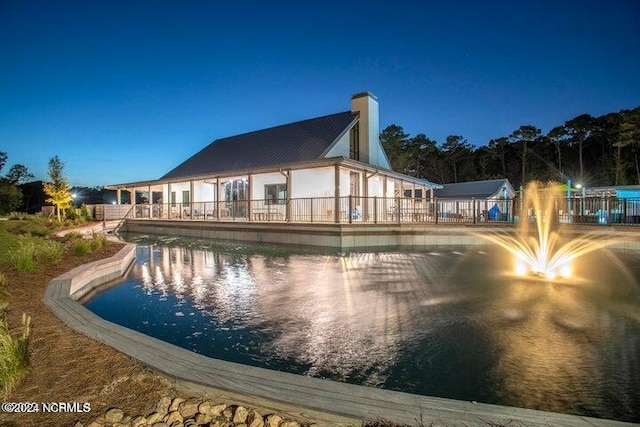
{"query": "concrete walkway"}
(316, 400)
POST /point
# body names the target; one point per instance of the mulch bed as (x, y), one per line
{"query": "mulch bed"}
(67, 366)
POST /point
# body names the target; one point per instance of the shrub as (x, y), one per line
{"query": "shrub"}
(50, 252)
(70, 213)
(24, 258)
(14, 353)
(14, 216)
(84, 212)
(98, 240)
(3, 282)
(72, 235)
(37, 230)
(81, 247)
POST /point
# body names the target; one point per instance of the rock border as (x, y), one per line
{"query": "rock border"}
(259, 384)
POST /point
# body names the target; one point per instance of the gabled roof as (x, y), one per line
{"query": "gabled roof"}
(475, 189)
(295, 142)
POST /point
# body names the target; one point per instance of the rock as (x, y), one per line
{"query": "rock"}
(273, 420)
(205, 407)
(175, 403)
(163, 405)
(154, 418)
(176, 424)
(240, 415)
(217, 410)
(202, 419)
(255, 419)
(159, 425)
(95, 424)
(138, 422)
(190, 422)
(78, 424)
(126, 420)
(172, 417)
(189, 408)
(290, 424)
(228, 413)
(113, 415)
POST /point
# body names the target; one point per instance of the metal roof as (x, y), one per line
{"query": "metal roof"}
(474, 189)
(295, 142)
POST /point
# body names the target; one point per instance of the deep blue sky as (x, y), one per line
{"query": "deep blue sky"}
(124, 91)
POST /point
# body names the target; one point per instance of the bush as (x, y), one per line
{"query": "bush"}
(70, 213)
(36, 230)
(84, 212)
(14, 353)
(24, 258)
(3, 282)
(98, 241)
(14, 216)
(82, 247)
(72, 235)
(50, 252)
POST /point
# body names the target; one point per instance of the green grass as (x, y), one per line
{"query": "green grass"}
(24, 257)
(98, 240)
(14, 353)
(49, 252)
(81, 247)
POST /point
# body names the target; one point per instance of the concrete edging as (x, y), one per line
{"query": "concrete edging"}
(317, 395)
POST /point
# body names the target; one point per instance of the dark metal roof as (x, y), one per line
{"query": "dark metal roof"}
(474, 189)
(294, 142)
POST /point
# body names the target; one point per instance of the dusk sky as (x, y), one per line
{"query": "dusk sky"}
(125, 91)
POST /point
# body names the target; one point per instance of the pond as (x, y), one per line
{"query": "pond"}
(442, 321)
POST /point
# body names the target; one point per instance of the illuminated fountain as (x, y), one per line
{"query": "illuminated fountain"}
(538, 249)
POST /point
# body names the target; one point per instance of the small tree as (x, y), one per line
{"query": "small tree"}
(57, 189)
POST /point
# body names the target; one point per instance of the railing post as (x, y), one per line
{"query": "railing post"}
(311, 209)
(473, 200)
(350, 209)
(398, 210)
(435, 206)
(375, 209)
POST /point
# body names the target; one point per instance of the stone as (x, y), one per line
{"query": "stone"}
(113, 415)
(175, 403)
(126, 420)
(240, 415)
(290, 424)
(159, 425)
(202, 419)
(273, 420)
(95, 424)
(78, 424)
(163, 405)
(189, 408)
(205, 407)
(154, 418)
(255, 419)
(228, 413)
(217, 410)
(138, 422)
(172, 417)
(176, 424)
(190, 422)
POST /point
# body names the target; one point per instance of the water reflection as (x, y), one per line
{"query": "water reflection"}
(439, 323)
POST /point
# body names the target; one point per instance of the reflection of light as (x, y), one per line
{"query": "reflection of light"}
(565, 270)
(521, 268)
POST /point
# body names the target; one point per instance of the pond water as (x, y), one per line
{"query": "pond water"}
(446, 322)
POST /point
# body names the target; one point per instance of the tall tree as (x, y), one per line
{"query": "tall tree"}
(10, 194)
(456, 150)
(18, 174)
(579, 129)
(523, 136)
(57, 188)
(3, 159)
(394, 141)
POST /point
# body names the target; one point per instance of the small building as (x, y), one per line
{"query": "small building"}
(328, 168)
(489, 199)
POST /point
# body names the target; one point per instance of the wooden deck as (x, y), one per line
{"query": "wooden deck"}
(316, 400)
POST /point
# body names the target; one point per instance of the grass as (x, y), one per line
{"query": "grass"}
(81, 247)
(24, 258)
(14, 353)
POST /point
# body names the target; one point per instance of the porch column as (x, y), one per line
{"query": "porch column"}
(169, 204)
(191, 198)
(118, 196)
(132, 196)
(218, 192)
(385, 208)
(288, 201)
(249, 196)
(336, 193)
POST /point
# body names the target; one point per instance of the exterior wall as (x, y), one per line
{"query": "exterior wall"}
(376, 187)
(370, 149)
(179, 188)
(345, 182)
(341, 148)
(317, 182)
(260, 180)
(203, 192)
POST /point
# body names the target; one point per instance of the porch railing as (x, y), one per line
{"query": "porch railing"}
(397, 210)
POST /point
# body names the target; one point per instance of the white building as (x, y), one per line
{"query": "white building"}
(331, 168)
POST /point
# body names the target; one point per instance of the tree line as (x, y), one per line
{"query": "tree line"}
(593, 151)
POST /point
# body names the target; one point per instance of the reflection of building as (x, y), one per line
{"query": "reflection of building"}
(332, 167)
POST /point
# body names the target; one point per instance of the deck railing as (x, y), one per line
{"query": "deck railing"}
(385, 210)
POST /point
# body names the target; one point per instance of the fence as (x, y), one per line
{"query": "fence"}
(382, 210)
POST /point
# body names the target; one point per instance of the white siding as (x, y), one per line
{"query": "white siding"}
(260, 180)
(341, 148)
(317, 182)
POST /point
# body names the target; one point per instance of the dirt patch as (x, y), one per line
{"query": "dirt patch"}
(67, 366)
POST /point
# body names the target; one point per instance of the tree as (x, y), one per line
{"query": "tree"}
(394, 141)
(10, 194)
(456, 150)
(3, 159)
(57, 189)
(579, 129)
(524, 135)
(18, 174)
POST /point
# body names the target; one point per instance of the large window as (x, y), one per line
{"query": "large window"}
(185, 197)
(275, 194)
(354, 142)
